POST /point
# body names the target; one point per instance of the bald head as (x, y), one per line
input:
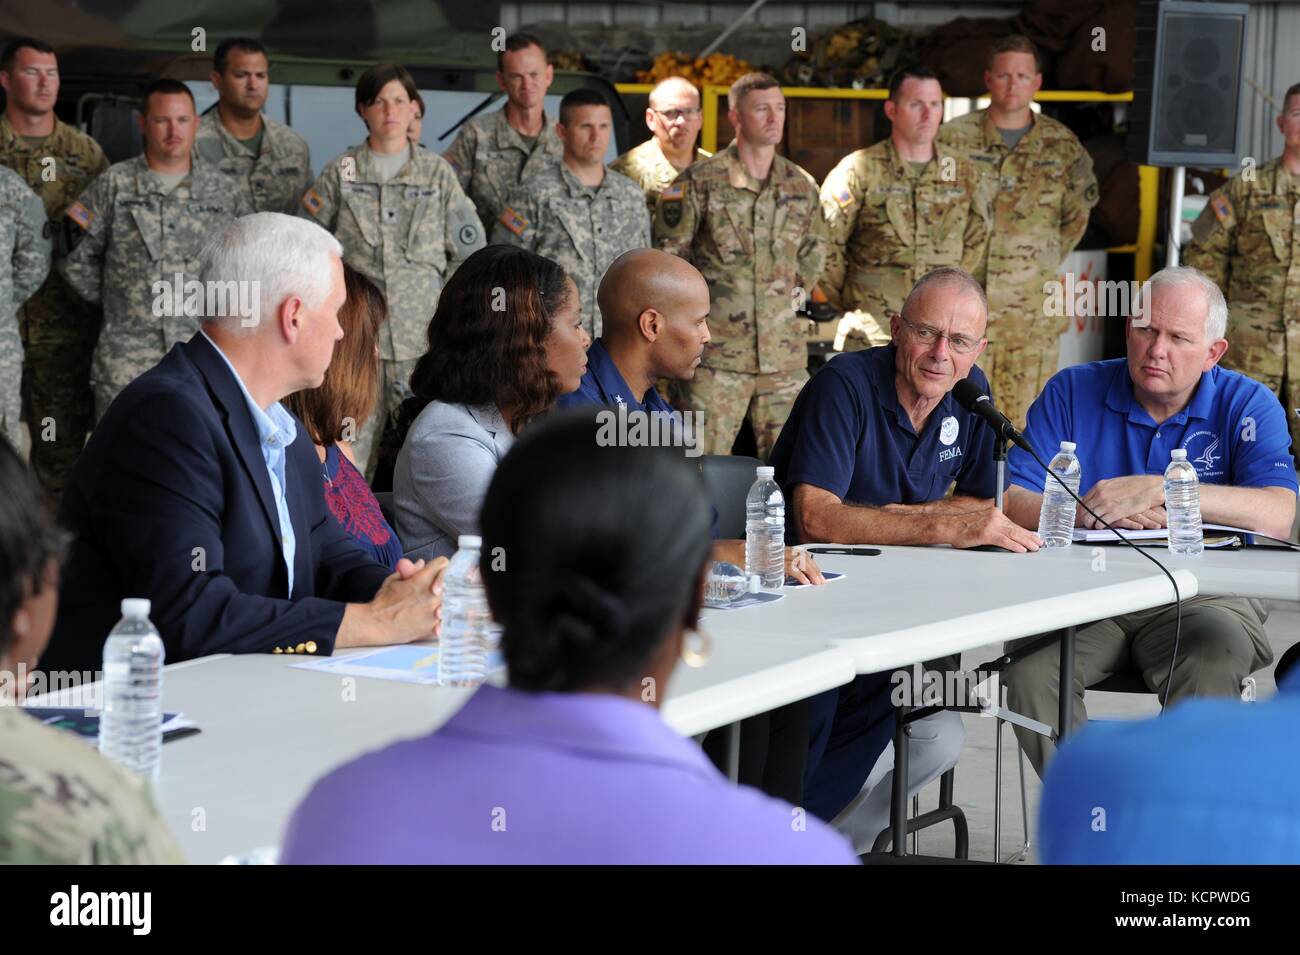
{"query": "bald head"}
(674, 91)
(657, 306)
(673, 117)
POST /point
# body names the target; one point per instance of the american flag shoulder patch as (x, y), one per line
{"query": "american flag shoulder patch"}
(80, 215)
(514, 221)
(311, 201)
(675, 192)
(844, 197)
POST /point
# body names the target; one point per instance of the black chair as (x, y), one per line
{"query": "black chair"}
(1289, 658)
(728, 479)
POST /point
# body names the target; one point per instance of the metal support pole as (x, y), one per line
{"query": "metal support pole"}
(997, 794)
(1065, 686)
(733, 752)
(1000, 459)
(898, 818)
(753, 8)
(1176, 187)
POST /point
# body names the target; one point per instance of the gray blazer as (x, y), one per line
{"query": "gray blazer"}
(442, 475)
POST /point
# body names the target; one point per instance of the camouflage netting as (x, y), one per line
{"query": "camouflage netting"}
(860, 54)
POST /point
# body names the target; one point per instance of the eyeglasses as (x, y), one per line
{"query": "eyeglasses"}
(961, 344)
(673, 115)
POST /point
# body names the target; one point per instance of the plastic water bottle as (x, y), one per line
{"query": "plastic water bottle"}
(466, 621)
(1056, 517)
(130, 724)
(1183, 506)
(765, 531)
(727, 583)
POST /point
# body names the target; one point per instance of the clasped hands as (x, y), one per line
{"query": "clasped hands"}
(1132, 502)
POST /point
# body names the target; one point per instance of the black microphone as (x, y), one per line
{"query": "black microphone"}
(970, 397)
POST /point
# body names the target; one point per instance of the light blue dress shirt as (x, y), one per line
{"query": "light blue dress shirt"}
(275, 432)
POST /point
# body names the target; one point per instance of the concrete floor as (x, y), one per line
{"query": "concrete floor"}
(975, 771)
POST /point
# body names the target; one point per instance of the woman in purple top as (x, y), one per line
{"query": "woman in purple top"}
(335, 412)
(571, 763)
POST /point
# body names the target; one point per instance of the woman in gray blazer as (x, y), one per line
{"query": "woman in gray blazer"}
(505, 341)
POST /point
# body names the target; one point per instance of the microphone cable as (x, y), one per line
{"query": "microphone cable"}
(1178, 597)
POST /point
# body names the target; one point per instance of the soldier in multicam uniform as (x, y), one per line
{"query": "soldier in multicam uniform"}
(897, 210)
(58, 328)
(674, 120)
(749, 220)
(135, 236)
(403, 222)
(1043, 187)
(61, 803)
(24, 263)
(271, 162)
(577, 212)
(1247, 239)
(496, 151)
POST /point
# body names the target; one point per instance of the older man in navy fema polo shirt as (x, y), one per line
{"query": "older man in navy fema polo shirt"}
(1126, 416)
(871, 447)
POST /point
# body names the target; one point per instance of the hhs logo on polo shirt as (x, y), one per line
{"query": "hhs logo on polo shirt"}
(948, 429)
(1205, 451)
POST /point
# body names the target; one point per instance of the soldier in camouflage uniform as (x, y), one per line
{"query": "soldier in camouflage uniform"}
(577, 212)
(750, 221)
(1247, 239)
(674, 120)
(60, 801)
(58, 327)
(135, 230)
(496, 151)
(403, 222)
(24, 263)
(1043, 188)
(271, 162)
(898, 210)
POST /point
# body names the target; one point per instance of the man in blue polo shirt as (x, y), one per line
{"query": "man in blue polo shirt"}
(656, 308)
(662, 326)
(656, 311)
(867, 456)
(1126, 416)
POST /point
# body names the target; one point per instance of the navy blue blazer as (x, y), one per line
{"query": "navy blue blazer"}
(171, 500)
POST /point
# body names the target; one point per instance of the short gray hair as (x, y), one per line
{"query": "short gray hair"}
(1216, 314)
(948, 275)
(282, 254)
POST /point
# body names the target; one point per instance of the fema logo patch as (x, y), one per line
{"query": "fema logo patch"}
(1205, 452)
(948, 430)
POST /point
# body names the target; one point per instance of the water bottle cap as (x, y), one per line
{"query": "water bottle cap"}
(1179, 454)
(1068, 446)
(136, 606)
(766, 472)
(469, 540)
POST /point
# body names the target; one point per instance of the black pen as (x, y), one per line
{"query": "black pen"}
(846, 551)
